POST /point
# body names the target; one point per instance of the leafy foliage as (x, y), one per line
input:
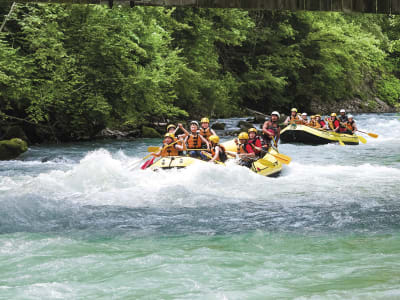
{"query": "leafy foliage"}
(71, 70)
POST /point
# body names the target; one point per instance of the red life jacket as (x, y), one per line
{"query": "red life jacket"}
(256, 142)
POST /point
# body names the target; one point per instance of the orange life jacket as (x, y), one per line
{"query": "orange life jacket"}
(205, 133)
(241, 148)
(295, 120)
(349, 125)
(317, 124)
(169, 151)
(194, 142)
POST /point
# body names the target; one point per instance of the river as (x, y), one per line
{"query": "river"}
(77, 223)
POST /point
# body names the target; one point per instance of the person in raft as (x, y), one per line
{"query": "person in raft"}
(170, 147)
(173, 129)
(217, 151)
(312, 122)
(256, 143)
(194, 140)
(271, 130)
(351, 125)
(319, 123)
(293, 118)
(205, 130)
(343, 118)
(334, 123)
(244, 151)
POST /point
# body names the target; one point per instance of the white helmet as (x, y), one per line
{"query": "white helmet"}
(342, 110)
(350, 116)
(276, 114)
(304, 114)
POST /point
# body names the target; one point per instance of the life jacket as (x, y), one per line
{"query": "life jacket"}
(312, 123)
(252, 143)
(222, 154)
(194, 142)
(317, 124)
(321, 123)
(205, 133)
(333, 125)
(349, 125)
(295, 120)
(169, 151)
(241, 148)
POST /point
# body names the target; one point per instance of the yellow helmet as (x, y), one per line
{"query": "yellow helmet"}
(171, 135)
(170, 126)
(252, 130)
(318, 116)
(294, 109)
(333, 114)
(214, 139)
(243, 136)
(205, 120)
(312, 117)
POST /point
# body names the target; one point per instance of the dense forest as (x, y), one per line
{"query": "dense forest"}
(68, 71)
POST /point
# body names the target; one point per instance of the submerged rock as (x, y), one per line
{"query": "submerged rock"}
(244, 126)
(218, 126)
(10, 149)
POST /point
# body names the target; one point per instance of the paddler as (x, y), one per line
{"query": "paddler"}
(319, 123)
(312, 122)
(304, 118)
(173, 129)
(194, 141)
(205, 130)
(256, 143)
(293, 118)
(343, 118)
(333, 123)
(271, 130)
(244, 151)
(217, 151)
(170, 147)
(351, 125)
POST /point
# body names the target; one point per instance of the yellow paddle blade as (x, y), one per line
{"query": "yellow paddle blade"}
(362, 139)
(340, 142)
(374, 135)
(282, 158)
(153, 149)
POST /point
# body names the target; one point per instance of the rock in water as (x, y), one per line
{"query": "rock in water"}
(10, 149)
(218, 126)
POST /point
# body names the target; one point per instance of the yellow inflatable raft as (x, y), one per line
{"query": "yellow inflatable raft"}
(307, 135)
(267, 166)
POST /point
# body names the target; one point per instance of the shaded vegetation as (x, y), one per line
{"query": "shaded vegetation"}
(68, 71)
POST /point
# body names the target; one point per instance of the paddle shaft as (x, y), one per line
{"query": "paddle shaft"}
(374, 135)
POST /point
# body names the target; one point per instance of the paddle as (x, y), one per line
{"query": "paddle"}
(374, 135)
(340, 141)
(147, 163)
(281, 157)
(210, 157)
(361, 139)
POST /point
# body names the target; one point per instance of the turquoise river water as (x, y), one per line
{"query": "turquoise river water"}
(77, 223)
